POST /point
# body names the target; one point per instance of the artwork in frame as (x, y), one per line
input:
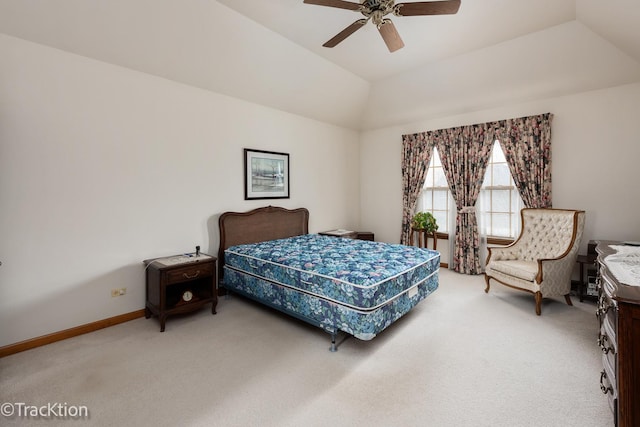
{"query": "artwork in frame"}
(266, 175)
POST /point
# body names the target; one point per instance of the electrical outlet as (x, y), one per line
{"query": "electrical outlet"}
(118, 292)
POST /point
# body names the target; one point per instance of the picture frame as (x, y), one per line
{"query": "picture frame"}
(266, 174)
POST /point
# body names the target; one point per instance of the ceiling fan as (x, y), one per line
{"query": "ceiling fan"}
(376, 10)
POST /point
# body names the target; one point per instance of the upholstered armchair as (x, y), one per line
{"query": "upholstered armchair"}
(542, 259)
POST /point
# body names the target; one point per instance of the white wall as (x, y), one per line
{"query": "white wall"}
(102, 167)
(203, 44)
(557, 61)
(596, 158)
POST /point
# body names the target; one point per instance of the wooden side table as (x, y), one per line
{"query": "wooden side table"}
(180, 284)
(588, 259)
(345, 234)
(423, 237)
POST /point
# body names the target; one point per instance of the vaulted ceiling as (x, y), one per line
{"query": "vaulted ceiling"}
(270, 52)
(478, 24)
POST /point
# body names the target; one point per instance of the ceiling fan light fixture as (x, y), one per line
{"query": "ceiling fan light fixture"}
(377, 17)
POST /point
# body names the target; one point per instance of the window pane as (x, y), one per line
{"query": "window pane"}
(497, 154)
(487, 177)
(428, 182)
(441, 220)
(516, 202)
(515, 219)
(485, 200)
(435, 158)
(427, 200)
(501, 175)
(439, 178)
(486, 224)
(500, 224)
(440, 199)
(500, 201)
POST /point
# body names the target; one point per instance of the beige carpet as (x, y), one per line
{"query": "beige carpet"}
(460, 358)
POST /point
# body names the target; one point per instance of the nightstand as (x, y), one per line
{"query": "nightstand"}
(180, 284)
(346, 234)
(584, 285)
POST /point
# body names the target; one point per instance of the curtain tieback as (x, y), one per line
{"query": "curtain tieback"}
(467, 210)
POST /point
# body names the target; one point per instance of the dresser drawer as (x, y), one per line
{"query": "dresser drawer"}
(607, 340)
(197, 270)
(607, 307)
(608, 381)
(607, 287)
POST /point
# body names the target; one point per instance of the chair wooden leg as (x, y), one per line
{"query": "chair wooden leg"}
(538, 296)
(567, 298)
(486, 279)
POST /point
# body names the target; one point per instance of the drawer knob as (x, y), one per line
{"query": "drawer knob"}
(605, 390)
(603, 308)
(602, 339)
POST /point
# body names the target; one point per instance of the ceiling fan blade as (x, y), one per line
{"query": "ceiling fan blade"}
(448, 7)
(345, 33)
(335, 3)
(390, 35)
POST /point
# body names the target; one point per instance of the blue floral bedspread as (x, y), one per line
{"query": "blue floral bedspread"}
(359, 274)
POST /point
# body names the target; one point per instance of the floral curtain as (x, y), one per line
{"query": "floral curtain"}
(416, 154)
(465, 152)
(526, 143)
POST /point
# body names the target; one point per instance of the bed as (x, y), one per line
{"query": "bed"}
(358, 287)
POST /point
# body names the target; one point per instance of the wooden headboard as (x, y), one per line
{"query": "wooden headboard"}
(259, 225)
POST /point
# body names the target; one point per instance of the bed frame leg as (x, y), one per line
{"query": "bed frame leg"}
(333, 347)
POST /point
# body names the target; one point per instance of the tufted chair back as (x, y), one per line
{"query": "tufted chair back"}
(546, 233)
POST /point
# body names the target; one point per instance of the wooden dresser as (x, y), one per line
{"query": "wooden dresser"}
(619, 338)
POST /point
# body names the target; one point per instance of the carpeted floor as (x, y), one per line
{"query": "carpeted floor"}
(460, 358)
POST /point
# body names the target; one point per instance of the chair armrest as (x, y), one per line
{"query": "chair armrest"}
(500, 253)
(559, 266)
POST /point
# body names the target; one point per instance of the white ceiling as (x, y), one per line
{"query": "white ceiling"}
(478, 24)
(519, 50)
(270, 52)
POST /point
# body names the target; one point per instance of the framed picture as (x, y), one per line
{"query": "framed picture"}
(266, 175)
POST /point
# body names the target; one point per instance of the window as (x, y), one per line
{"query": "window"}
(499, 203)
(436, 197)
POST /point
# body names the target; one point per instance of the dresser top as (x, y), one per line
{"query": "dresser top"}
(622, 265)
(174, 260)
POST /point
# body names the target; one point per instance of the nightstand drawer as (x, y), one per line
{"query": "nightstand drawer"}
(196, 271)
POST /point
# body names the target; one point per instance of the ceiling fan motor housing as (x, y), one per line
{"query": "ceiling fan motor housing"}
(385, 6)
(376, 10)
(373, 4)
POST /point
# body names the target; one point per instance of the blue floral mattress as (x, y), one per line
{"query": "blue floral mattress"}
(358, 274)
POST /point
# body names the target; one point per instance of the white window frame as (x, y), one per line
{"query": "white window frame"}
(486, 211)
(427, 196)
